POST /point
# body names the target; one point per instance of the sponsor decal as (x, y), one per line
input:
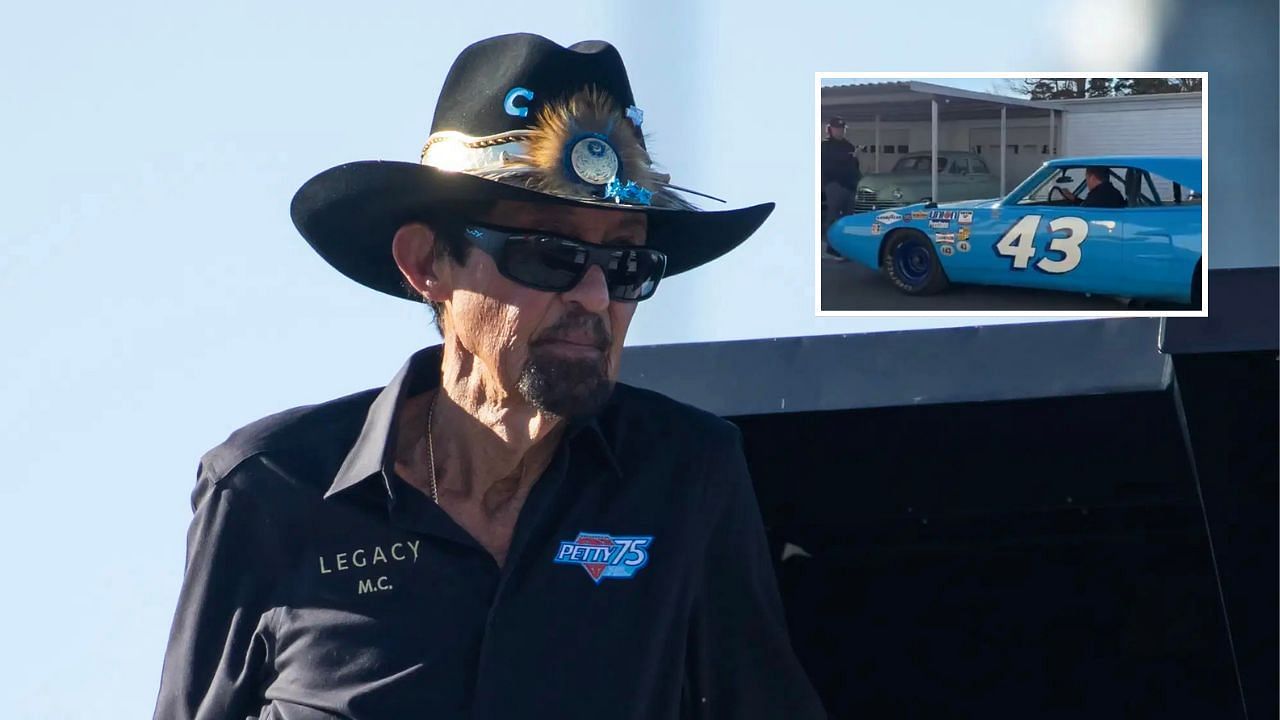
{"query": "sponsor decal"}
(606, 556)
(947, 250)
(947, 215)
(965, 217)
(939, 224)
(946, 237)
(888, 218)
(963, 246)
(962, 233)
(919, 215)
(875, 228)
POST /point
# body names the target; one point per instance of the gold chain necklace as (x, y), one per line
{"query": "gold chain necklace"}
(431, 450)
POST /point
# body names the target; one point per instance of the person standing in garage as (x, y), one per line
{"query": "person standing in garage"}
(840, 174)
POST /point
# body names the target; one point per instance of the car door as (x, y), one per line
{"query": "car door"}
(1069, 248)
(1162, 239)
(985, 185)
(954, 183)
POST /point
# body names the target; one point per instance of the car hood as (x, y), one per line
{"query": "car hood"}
(967, 204)
(957, 205)
(896, 179)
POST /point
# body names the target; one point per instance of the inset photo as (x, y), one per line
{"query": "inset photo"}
(1003, 194)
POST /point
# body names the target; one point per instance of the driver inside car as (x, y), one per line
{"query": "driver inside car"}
(1101, 192)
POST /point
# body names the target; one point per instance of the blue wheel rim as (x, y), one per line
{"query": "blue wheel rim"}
(913, 262)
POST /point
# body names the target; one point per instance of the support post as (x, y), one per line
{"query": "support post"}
(877, 147)
(1003, 142)
(1052, 154)
(933, 139)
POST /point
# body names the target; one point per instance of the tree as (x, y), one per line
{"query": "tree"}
(1152, 86)
(1069, 88)
(1100, 87)
(1051, 88)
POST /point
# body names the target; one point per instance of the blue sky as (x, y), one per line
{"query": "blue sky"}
(158, 296)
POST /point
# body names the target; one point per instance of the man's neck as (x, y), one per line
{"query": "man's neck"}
(484, 438)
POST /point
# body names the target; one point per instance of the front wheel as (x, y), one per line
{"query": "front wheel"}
(912, 265)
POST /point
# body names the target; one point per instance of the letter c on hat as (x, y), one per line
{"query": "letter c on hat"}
(509, 104)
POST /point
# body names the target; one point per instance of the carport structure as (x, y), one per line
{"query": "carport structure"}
(912, 101)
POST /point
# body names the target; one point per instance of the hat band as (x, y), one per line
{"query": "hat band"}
(453, 151)
(506, 156)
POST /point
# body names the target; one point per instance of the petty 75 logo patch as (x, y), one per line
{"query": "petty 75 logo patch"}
(606, 556)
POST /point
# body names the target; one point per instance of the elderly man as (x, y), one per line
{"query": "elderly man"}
(502, 531)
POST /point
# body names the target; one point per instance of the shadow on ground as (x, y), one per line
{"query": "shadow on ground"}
(850, 286)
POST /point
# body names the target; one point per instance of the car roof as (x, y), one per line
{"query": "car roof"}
(1182, 169)
(941, 153)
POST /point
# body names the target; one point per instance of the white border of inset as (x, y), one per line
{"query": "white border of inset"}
(887, 76)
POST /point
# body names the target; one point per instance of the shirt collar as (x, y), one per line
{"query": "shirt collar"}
(372, 452)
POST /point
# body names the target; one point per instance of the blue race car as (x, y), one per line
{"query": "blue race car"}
(1041, 236)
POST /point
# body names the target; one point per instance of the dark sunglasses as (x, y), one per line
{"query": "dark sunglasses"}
(553, 263)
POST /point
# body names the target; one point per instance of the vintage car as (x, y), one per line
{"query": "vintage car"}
(961, 176)
(1036, 237)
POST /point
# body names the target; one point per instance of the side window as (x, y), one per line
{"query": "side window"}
(959, 166)
(977, 165)
(1168, 193)
(1149, 189)
(1119, 178)
(1139, 191)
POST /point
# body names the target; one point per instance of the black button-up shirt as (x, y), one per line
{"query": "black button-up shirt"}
(321, 585)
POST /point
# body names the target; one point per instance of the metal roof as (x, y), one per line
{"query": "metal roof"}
(1126, 102)
(903, 101)
(916, 367)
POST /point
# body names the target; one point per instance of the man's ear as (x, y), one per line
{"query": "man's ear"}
(414, 250)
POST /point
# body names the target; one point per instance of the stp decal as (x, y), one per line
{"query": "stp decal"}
(606, 556)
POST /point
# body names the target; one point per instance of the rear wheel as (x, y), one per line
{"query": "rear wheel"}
(910, 262)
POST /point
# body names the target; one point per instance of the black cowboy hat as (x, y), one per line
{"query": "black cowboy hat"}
(519, 118)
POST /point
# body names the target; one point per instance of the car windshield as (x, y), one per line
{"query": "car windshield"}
(919, 163)
(1069, 178)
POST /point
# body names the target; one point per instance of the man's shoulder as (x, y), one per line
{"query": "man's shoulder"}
(647, 411)
(306, 440)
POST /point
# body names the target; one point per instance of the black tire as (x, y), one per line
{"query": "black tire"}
(911, 263)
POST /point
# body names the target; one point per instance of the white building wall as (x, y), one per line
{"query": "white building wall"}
(1139, 131)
